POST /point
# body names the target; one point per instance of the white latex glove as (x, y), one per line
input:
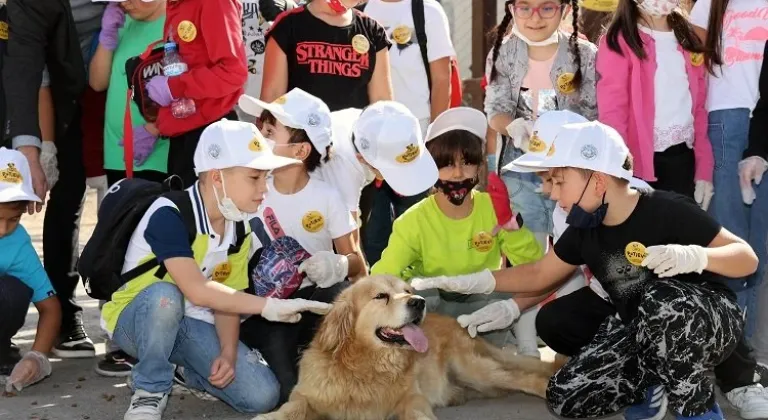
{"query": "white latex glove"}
(325, 268)
(31, 369)
(49, 163)
(703, 193)
(469, 284)
(492, 317)
(751, 170)
(671, 260)
(288, 310)
(520, 131)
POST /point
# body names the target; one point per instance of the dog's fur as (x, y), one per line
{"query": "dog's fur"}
(350, 373)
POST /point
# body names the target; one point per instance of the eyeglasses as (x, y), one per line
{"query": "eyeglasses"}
(545, 11)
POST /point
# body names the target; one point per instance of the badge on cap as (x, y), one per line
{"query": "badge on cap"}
(588, 152)
(280, 101)
(410, 154)
(402, 34)
(4, 30)
(565, 83)
(360, 44)
(187, 31)
(600, 5)
(255, 145)
(635, 253)
(536, 144)
(221, 272)
(313, 221)
(697, 59)
(482, 241)
(11, 175)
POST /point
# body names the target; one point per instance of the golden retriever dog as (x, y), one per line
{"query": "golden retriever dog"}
(377, 354)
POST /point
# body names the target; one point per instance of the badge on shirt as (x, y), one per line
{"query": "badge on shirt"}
(255, 145)
(410, 154)
(360, 44)
(313, 221)
(221, 272)
(635, 253)
(565, 83)
(11, 175)
(4, 30)
(536, 144)
(697, 59)
(482, 241)
(187, 31)
(402, 35)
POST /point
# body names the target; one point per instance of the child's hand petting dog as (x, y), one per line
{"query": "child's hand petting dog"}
(288, 310)
(469, 284)
(492, 317)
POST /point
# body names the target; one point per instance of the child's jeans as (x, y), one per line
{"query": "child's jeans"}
(153, 329)
(728, 132)
(681, 332)
(14, 304)
(760, 338)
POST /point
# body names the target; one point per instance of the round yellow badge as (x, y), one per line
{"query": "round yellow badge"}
(187, 31)
(402, 34)
(536, 144)
(565, 83)
(600, 5)
(482, 241)
(221, 272)
(11, 175)
(360, 44)
(697, 59)
(4, 30)
(635, 253)
(255, 145)
(313, 221)
(410, 154)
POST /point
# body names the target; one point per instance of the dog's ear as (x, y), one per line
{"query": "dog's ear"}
(336, 328)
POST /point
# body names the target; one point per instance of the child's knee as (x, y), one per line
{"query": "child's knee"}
(256, 388)
(14, 293)
(165, 302)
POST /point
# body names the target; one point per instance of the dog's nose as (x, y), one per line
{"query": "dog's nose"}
(417, 303)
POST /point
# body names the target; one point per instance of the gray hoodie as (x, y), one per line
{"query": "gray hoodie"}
(87, 15)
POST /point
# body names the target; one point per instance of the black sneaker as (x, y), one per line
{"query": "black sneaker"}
(115, 364)
(75, 345)
(762, 372)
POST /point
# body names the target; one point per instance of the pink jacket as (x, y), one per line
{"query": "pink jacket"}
(625, 101)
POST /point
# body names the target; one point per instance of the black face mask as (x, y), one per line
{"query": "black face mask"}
(456, 191)
(581, 219)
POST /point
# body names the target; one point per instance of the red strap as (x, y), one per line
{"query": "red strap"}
(149, 49)
(128, 136)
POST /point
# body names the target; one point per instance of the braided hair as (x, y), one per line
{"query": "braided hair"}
(501, 30)
(573, 43)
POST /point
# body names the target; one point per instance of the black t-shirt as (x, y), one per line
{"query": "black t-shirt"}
(614, 253)
(333, 63)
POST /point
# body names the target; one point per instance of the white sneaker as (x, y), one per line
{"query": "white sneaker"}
(751, 401)
(146, 406)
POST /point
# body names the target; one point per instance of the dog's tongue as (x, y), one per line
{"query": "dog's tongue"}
(415, 337)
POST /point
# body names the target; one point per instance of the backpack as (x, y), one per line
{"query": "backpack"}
(417, 10)
(101, 262)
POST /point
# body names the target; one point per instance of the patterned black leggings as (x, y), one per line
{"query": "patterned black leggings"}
(681, 331)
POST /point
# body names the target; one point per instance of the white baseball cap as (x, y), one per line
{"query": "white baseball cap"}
(230, 144)
(388, 137)
(15, 178)
(545, 129)
(297, 109)
(590, 145)
(461, 118)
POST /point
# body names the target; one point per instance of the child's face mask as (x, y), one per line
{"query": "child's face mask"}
(226, 206)
(456, 191)
(657, 8)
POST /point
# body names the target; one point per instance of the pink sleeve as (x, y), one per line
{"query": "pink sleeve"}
(613, 88)
(702, 148)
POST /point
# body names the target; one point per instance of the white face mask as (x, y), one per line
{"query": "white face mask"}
(553, 39)
(657, 8)
(227, 207)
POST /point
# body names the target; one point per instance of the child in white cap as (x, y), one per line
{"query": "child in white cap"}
(657, 254)
(22, 280)
(194, 304)
(453, 230)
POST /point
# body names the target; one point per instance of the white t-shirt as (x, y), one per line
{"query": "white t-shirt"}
(254, 28)
(314, 216)
(409, 77)
(344, 172)
(745, 31)
(673, 122)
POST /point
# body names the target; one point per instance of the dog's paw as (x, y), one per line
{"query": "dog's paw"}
(268, 416)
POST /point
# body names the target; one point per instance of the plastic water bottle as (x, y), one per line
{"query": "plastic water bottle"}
(173, 66)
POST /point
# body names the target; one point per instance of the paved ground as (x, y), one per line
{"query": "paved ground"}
(75, 392)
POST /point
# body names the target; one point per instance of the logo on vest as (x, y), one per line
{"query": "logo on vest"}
(482, 241)
(221, 272)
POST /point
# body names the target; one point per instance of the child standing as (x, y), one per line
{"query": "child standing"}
(22, 280)
(540, 68)
(452, 231)
(209, 38)
(309, 210)
(652, 90)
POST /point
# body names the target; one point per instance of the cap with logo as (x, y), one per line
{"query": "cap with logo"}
(590, 145)
(545, 129)
(296, 109)
(15, 177)
(388, 136)
(229, 144)
(461, 118)
(600, 5)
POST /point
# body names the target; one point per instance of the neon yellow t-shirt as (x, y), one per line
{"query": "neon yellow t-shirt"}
(427, 243)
